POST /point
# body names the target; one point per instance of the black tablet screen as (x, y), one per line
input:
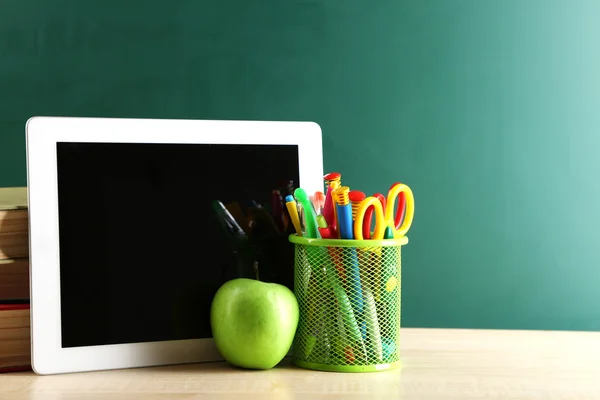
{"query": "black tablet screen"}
(143, 247)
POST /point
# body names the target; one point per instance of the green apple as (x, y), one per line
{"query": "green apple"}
(253, 323)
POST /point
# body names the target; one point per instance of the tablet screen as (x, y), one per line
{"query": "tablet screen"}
(143, 247)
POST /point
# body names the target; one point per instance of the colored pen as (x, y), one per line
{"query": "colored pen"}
(335, 253)
(316, 255)
(310, 219)
(325, 233)
(292, 208)
(345, 229)
(332, 180)
(356, 196)
(323, 228)
(348, 318)
(334, 226)
(346, 310)
(344, 212)
(321, 223)
(318, 200)
(301, 216)
(373, 331)
(343, 349)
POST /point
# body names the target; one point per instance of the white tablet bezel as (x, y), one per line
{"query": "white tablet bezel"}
(42, 134)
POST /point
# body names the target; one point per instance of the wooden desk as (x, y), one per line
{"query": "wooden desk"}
(437, 364)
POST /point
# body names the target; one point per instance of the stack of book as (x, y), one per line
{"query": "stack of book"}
(15, 338)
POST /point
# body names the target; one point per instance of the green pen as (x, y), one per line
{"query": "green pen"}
(310, 217)
(348, 318)
(321, 223)
(373, 331)
(315, 257)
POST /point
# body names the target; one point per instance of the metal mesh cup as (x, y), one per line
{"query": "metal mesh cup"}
(348, 292)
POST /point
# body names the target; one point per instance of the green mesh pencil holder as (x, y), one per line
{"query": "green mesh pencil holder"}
(348, 292)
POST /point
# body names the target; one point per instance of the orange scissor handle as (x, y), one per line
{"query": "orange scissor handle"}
(392, 217)
(379, 218)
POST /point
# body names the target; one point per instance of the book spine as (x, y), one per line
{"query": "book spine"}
(14, 234)
(14, 280)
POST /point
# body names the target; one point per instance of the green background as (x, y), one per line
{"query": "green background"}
(489, 110)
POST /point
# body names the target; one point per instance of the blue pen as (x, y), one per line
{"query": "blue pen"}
(345, 227)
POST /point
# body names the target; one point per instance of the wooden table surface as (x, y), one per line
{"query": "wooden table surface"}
(437, 364)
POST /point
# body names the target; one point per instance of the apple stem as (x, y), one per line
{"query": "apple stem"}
(256, 269)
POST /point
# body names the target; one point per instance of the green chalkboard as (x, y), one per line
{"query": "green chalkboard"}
(487, 109)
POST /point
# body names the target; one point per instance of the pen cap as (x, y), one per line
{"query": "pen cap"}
(332, 177)
(318, 200)
(341, 195)
(356, 196)
(321, 221)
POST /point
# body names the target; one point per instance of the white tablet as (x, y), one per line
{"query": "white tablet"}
(127, 244)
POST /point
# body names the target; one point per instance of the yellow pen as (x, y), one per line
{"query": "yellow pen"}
(292, 208)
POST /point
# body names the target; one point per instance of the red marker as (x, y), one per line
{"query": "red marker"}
(329, 208)
(325, 233)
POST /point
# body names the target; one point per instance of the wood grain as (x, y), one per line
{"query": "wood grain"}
(437, 364)
(15, 338)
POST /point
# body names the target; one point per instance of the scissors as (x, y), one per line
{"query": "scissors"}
(399, 220)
